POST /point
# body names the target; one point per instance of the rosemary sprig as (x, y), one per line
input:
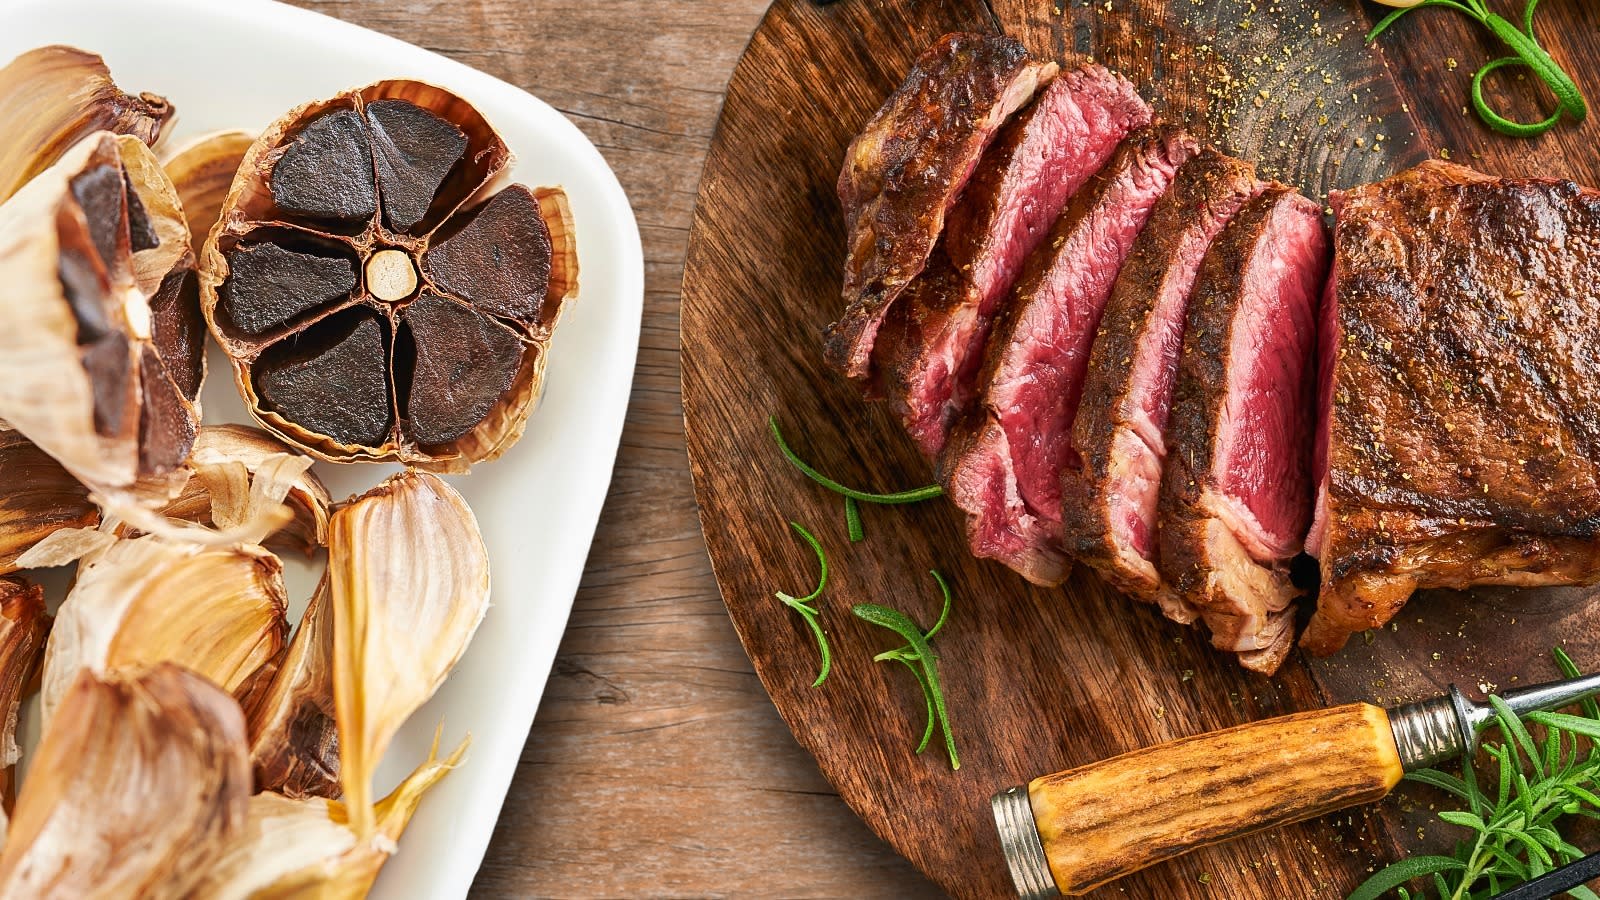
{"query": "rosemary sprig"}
(852, 497)
(918, 656)
(806, 606)
(1527, 52)
(1512, 824)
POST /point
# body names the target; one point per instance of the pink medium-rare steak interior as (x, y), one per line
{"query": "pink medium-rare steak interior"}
(1109, 503)
(1236, 491)
(1006, 471)
(907, 167)
(1263, 460)
(931, 345)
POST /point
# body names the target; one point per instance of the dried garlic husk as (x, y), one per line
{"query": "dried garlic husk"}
(216, 610)
(238, 474)
(294, 738)
(37, 498)
(137, 787)
(202, 170)
(101, 342)
(23, 626)
(409, 578)
(306, 848)
(53, 97)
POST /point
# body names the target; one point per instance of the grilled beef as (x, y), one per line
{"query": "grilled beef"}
(1003, 465)
(931, 345)
(1109, 502)
(1237, 489)
(1461, 383)
(907, 167)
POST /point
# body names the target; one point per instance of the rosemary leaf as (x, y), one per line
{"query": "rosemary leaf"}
(1512, 835)
(1527, 52)
(852, 520)
(805, 606)
(912, 496)
(923, 657)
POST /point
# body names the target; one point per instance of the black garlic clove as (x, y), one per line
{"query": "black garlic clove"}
(99, 192)
(141, 231)
(166, 429)
(268, 285)
(331, 380)
(83, 282)
(461, 363)
(178, 330)
(497, 258)
(326, 172)
(415, 151)
(109, 364)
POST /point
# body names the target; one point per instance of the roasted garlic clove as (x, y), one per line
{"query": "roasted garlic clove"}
(218, 611)
(202, 171)
(357, 259)
(138, 786)
(101, 348)
(239, 475)
(408, 575)
(306, 847)
(37, 498)
(294, 737)
(53, 97)
(23, 626)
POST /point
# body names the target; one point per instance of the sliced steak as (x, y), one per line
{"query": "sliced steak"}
(931, 345)
(1237, 489)
(1461, 442)
(1003, 464)
(1109, 503)
(906, 168)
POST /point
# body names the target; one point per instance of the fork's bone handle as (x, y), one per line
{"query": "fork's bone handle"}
(1107, 819)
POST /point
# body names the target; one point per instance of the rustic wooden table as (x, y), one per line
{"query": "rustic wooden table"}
(657, 765)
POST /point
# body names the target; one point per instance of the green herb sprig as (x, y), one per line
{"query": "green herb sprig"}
(806, 606)
(919, 657)
(1512, 825)
(1527, 52)
(852, 497)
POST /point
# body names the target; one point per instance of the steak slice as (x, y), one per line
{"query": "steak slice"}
(906, 168)
(1003, 464)
(1237, 491)
(1109, 503)
(931, 345)
(1461, 441)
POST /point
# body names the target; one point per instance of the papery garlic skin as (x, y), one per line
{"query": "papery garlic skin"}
(138, 602)
(136, 789)
(202, 170)
(306, 848)
(23, 626)
(294, 737)
(238, 475)
(409, 578)
(52, 97)
(37, 498)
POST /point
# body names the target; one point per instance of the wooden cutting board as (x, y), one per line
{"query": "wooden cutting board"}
(1043, 680)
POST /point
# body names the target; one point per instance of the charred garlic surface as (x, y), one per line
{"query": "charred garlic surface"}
(373, 305)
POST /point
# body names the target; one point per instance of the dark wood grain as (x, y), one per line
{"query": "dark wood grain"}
(1039, 680)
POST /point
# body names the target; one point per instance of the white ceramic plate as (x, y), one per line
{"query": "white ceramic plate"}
(242, 63)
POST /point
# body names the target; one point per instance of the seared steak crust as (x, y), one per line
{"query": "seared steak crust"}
(1463, 374)
(1109, 504)
(931, 346)
(906, 168)
(1003, 464)
(1237, 488)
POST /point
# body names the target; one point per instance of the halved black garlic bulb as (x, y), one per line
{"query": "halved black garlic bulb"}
(101, 338)
(377, 300)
